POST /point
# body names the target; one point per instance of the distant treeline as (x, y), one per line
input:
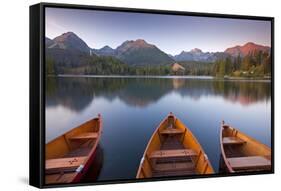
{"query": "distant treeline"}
(255, 64)
(105, 65)
(197, 68)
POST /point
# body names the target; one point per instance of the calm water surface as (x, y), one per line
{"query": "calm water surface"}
(132, 108)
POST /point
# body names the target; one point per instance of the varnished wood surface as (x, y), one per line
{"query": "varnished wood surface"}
(64, 162)
(173, 173)
(180, 166)
(232, 141)
(87, 135)
(60, 178)
(172, 131)
(172, 153)
(250, 162)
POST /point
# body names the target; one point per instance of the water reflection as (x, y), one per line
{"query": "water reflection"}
(77, 93)
(132, 108)
(95, 168)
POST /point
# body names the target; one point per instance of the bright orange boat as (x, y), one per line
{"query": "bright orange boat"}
(173, 151)
(242, 153)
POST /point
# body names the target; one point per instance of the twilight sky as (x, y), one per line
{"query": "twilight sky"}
(170, 33)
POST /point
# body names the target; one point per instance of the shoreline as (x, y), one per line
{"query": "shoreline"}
(258, 79)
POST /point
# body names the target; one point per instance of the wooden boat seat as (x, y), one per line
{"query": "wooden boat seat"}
(61, 164)
(252, 162)
(173, 173)
(172, 153)
(232, 141)
(171, 131)
(177, 166)
(55, 178)
(90, 135)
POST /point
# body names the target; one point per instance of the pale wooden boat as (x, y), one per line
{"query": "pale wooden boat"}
(173, 151)
(69, 156)
(241, 153)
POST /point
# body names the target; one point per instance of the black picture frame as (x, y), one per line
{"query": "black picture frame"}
(37, 91)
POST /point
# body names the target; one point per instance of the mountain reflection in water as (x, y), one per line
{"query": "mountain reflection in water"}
(77, 93)
(132, 108)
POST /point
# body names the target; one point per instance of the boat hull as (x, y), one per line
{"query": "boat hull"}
(79, 176)
(242, 153)
(69, 156)
(173, 141)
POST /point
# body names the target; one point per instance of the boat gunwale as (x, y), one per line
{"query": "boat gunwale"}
(199, 146)
(92, 152)
(229, 168)
(149, 142)
(98, 117)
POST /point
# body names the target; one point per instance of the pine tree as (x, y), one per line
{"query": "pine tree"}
(221, 68)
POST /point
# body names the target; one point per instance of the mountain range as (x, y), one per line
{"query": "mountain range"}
(197, 54)
(68, 41)
(136, 52)
(246, 49)
(70, 50)
(104, 51)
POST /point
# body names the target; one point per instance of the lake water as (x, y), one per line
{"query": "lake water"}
(132, 108)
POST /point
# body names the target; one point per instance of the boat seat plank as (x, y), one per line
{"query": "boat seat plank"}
(177, 166)
(171, 131)
(173, 173)
(64, 163)
(89, 135)
(252, 162)
(59, 178)
(232, 141)
(172, 153)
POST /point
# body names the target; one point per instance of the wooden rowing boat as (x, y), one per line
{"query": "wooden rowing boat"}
(241, 153)
(69, 156)
(173, 151)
